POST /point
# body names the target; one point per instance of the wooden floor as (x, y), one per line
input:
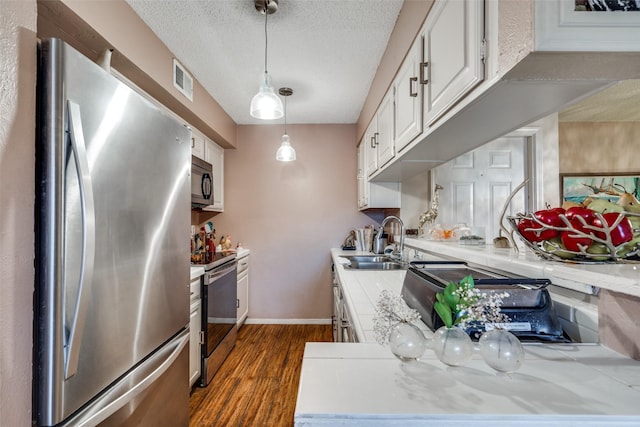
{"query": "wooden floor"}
(257, 384)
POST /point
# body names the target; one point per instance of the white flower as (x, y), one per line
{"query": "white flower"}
(485, 308)
(391, 310)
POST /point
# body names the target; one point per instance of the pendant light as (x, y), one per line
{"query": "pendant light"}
(266, 105)
(285, 153)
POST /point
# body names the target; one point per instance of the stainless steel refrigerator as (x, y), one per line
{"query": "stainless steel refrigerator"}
(111, 306)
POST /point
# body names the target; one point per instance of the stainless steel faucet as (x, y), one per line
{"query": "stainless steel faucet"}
(381, 230)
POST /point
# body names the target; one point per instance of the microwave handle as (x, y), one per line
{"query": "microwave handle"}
(206, 186)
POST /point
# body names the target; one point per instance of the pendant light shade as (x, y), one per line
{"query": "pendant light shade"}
(285, 153)
(266, 105)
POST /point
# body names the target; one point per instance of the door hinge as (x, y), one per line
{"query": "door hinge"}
(483, 50)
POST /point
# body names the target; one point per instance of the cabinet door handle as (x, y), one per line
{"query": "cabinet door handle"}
(375, 137)
(373, 142)
(237, 303)
(411, 92)
(423, 72)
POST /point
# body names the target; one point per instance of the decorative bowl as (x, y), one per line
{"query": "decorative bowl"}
(600, 249)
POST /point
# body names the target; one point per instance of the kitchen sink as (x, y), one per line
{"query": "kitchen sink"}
(373, 262)
(368, 258)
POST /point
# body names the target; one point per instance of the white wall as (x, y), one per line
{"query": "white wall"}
(416, 196)
(17, 117)
(547, 161)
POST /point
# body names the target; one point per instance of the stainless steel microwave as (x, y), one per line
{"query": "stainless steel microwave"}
(201, 183)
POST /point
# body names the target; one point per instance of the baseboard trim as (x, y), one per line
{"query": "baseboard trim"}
(251, 321)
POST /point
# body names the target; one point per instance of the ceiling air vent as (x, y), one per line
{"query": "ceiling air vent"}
(182, 80)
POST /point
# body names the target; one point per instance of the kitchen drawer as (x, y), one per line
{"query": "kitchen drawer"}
(243, 265)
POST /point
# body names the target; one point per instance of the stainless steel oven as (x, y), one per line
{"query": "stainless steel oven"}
(219, 314)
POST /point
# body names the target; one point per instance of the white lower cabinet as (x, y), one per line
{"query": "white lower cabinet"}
(342, 326)
(194, 331)
(243, 289)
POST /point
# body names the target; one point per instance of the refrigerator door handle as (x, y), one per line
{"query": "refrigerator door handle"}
(129, 395)
(76, 329)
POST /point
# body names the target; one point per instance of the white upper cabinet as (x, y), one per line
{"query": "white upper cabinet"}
(408, 97)
(214, 154)
(371, 147)
(385, 137)
(363, 197)
(197, 144)
(453, 54)
(379, 137)
(374, 195)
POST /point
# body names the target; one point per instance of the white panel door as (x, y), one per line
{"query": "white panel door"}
(477, 184)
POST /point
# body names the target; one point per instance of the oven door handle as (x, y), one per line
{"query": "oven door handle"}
(217, 273)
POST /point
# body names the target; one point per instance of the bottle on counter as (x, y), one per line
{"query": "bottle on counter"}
(211, 246)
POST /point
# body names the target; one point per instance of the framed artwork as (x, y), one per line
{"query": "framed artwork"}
(587, 25)
(577, 187)
(607, 5)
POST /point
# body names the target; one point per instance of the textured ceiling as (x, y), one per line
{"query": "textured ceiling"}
(618, 103)
(326, 51)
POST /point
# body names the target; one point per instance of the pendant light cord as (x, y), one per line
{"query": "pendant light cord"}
(285, 115)
(266, 44)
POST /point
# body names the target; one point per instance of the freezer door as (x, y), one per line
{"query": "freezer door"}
(112, 248)
(150, 395)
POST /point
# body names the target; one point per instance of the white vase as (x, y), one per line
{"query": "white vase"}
(407, 342)
(452, 346)
(501, 350)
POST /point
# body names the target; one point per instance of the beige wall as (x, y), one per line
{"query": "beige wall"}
(619, 322)
(17, 116)
(93, 26)
(515, 33)
(599, 147)
(290, 214)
